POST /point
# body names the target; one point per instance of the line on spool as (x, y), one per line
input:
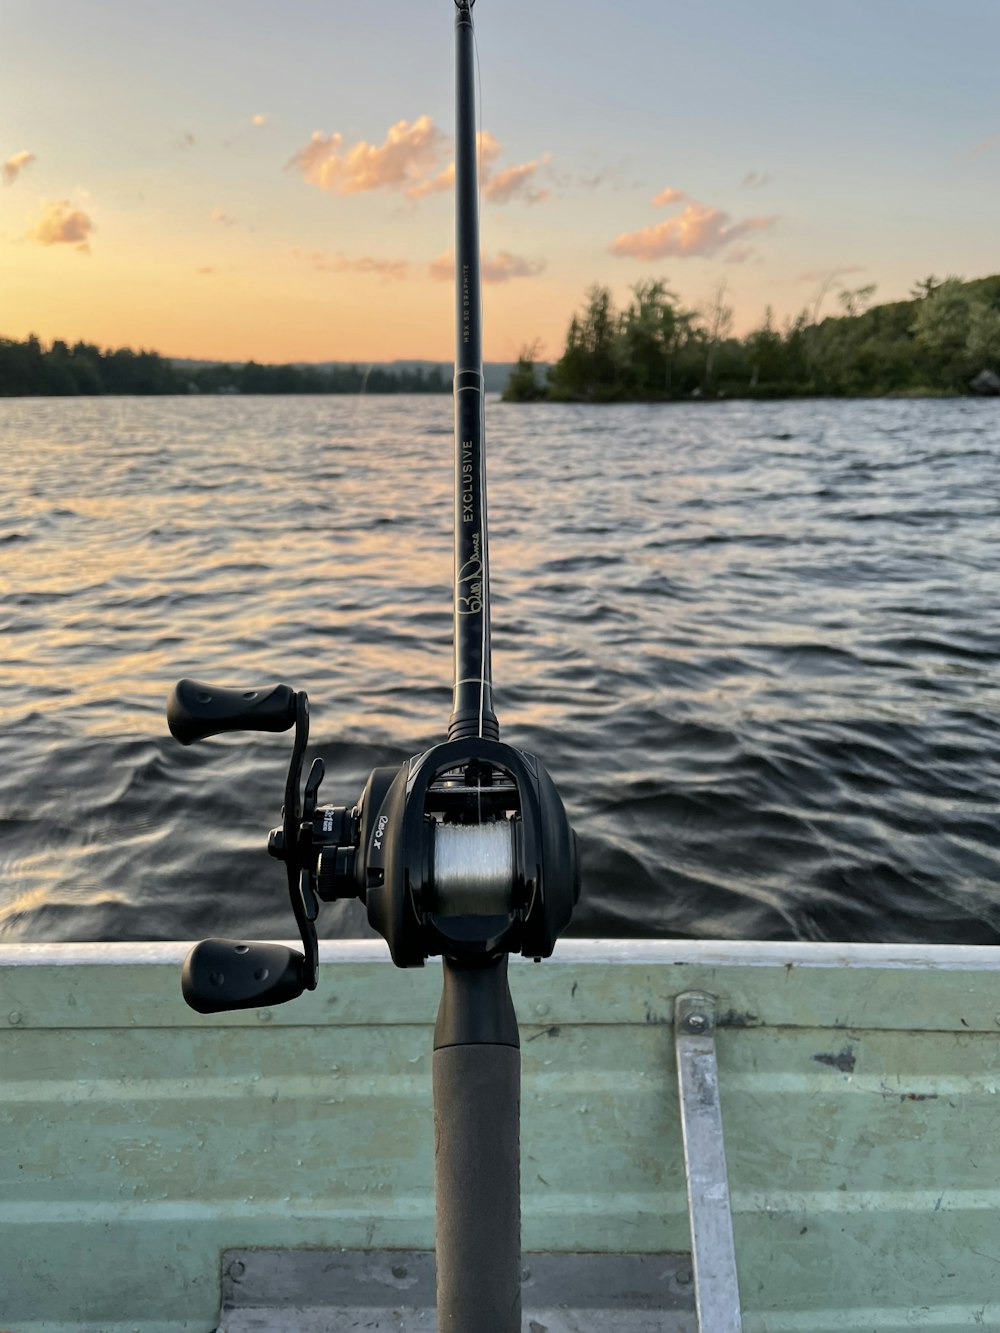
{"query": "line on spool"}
(474, 868)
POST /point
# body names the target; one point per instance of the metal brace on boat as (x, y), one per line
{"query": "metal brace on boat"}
(713, 1252)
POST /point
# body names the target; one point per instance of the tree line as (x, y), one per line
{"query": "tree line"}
(947, 334)
(29, 369)
(937, 342)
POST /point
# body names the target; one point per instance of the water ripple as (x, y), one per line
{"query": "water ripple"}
(755, 644)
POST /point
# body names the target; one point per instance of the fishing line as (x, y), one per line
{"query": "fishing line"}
(361, 395)
(482, 379)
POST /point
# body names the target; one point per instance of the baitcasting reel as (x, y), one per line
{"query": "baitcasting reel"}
(465, 850)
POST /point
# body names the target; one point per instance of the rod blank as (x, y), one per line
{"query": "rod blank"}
(472, 711)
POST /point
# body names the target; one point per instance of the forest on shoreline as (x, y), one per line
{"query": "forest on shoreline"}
(28, 369)
(945, 340)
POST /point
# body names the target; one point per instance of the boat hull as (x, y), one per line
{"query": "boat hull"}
(140, 1142)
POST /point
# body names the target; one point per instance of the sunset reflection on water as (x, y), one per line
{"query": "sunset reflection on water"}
(752, 643)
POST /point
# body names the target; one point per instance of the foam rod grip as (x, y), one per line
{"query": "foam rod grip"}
(196, 710)
(477, 1178)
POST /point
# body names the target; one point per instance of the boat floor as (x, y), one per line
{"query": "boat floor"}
(326, 1291)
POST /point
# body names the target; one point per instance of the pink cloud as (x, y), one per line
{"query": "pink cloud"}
(489, 151)
(444, 180)
(501, 268)
(828, 274)
(698, 232)
(394, 269)
(62, 224)
(984, 146)
(506, 266)
(13, 167)
(668, 196)
(411, 149)
(515, 182)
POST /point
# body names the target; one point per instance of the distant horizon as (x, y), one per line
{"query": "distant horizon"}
(821, 303)
(331, 360)
(542, 359)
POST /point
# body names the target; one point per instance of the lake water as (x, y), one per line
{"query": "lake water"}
(755, 644)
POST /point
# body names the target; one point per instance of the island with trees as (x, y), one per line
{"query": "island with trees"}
(945, 340)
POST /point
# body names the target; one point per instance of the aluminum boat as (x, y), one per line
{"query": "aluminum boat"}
(783, 1138)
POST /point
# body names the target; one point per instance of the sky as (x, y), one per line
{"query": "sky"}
(234, 179)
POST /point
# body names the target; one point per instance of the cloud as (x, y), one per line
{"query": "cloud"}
(698, 232)
(258, 120)
(206, 270)
(828, 274)
(605, 178)
(444, 180)
(668, 196)
(983, 146)
(506, 266)
(15, 165)
(514, 182)
(186, 141)
(62, 224)
(410, 159)
(739, 254)
(753, 180)
(501, 268)
(411, 149)
(388, 269)
(489, 151)
(222, 217)
(517, 182)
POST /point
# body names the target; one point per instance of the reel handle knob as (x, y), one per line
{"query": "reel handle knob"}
(221, 974)
(196, 710)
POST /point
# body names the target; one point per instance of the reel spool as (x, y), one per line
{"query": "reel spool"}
(473, 868)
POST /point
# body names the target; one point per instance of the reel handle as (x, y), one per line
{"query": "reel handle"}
(196, 710)
(221, 974)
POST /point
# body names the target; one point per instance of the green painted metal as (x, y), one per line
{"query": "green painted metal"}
(861, 1106)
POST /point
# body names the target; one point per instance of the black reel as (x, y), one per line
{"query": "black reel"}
(465, 850)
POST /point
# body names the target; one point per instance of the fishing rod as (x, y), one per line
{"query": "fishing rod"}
(464, 852)
(473, 713)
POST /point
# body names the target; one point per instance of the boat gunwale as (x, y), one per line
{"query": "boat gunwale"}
(571, 952)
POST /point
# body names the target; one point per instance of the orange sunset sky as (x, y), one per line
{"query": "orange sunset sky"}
(234, 180)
